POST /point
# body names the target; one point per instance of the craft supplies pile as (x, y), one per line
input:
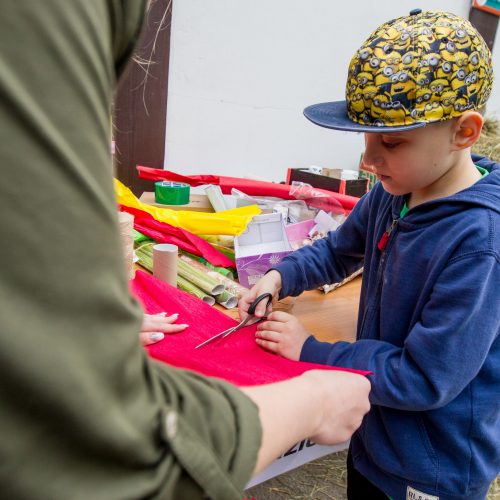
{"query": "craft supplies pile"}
(202, 250)
(240, 235)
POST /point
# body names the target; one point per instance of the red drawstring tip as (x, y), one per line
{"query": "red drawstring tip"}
(383, 241)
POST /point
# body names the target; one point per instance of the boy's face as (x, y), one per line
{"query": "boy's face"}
(411, 161)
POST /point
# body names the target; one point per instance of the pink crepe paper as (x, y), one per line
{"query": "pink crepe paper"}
(236, 358)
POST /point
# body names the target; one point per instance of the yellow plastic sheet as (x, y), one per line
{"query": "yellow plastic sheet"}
(231, 222)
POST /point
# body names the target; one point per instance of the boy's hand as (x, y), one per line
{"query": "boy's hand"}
(269, 283)
(282, 334)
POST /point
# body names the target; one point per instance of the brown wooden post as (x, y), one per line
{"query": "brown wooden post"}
(140, 107)
(486, 23)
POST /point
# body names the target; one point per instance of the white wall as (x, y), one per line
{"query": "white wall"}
(241, 72)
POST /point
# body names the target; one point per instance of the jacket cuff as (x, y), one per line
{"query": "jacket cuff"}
(212, 429)
(314, 351)
(286, 268)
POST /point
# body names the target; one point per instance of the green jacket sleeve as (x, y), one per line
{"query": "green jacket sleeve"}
(84, 412)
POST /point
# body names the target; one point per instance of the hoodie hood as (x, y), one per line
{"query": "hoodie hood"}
(487, 189)
(485, 193)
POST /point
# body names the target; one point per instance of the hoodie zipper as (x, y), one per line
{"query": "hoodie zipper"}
(381, 245)
(385, 237)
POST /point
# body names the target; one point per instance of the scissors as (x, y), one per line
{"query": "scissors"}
(245, 322)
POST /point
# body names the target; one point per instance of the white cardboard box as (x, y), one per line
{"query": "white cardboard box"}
(260, 247)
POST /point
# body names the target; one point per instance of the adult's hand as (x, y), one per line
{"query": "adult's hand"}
(343, 404)
(324, 405)
(155, 326)
(269, 283)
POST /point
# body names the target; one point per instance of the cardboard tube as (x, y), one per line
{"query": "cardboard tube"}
(226, 299)
(126, 223)
(165, 263)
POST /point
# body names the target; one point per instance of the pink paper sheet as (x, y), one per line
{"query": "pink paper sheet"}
(236, 359)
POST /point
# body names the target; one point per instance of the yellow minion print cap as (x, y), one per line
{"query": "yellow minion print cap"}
(422, 68)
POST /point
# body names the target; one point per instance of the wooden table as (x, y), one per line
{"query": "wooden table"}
(333, 316)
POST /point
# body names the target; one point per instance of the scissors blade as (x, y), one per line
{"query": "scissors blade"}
(216, 337)
(242, 324)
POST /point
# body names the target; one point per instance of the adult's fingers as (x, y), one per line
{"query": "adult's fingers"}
(163, 318)
(344, 403)
(161, 323)
(175, 328)
(149, 338)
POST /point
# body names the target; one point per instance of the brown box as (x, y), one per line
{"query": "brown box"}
(197, 202)
(356, 187)
(366, 173)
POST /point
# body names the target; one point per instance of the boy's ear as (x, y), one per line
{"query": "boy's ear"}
(467, 129)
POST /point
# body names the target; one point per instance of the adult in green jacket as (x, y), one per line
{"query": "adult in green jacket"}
(84, 413)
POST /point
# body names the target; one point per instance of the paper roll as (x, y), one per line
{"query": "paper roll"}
(126, 224)
(230, 285)
(165, 263)
(226, 299)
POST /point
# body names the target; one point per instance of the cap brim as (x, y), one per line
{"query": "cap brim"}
(334, 115)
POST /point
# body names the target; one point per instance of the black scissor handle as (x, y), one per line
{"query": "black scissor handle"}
(260, 298)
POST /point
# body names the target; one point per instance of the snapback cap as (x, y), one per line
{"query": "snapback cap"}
(422, 68)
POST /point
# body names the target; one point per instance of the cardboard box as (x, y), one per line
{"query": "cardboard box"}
(197, 202)
(366, 173)
(298, 232)
(369, 176)
(339, 173)
(260, 247)
(355, 187)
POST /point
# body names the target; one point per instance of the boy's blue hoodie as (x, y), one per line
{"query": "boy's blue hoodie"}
(428, 328)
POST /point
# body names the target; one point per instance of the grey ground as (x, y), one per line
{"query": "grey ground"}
(322, 479)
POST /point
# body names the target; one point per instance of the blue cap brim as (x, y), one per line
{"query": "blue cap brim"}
(334, 115)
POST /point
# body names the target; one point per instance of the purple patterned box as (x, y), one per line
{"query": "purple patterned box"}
(260, 247)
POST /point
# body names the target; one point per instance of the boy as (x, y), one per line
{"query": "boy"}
(428, 236)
